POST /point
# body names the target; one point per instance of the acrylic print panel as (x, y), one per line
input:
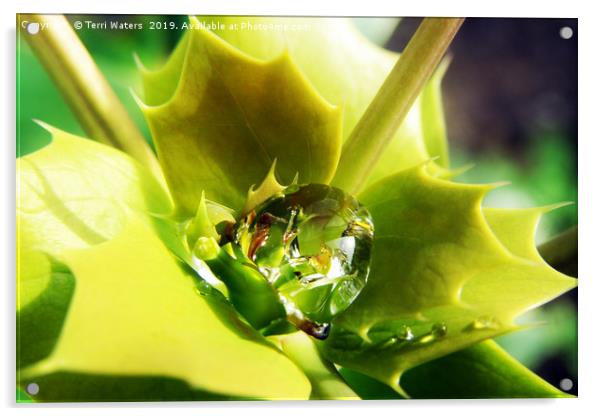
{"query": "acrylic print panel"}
(288, 208)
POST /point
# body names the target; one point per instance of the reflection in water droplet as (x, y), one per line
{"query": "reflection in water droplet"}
(313, 244)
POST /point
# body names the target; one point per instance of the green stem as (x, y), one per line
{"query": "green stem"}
(561, 252)
(86, 90)
(325, 381)
(393, 100)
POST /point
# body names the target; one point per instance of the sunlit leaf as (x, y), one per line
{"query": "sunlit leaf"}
(75, 193)
(142, 316)
(230, 116)
(346, 69)
(438, 272)
(94, 265)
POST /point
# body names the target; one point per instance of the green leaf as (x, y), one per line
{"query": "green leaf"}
(141, 316)
(346, 69)
(440, 272)
(93, 265)
(75, 193)
(367, 387)
(230, 116)
(482, 371)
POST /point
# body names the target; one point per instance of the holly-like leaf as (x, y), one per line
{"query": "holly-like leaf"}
(347, 70)
(229, 116)
(142, 316)
(440, 278)
(93, 265)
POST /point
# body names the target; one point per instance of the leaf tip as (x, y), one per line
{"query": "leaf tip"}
(139, 64)
(44, 125)
(139, 102)
(270, 186)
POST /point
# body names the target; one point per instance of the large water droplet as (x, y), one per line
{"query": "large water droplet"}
(313, 244)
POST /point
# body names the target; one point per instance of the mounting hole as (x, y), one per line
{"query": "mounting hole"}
(566, 32)
(32, 388)
(33, 28)
(566, 384)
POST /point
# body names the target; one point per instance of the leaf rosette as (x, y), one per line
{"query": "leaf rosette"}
(105, 250)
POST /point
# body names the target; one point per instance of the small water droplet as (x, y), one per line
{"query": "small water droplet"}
(439, 330)
(401, 336)
(206, 290)
(482, 323)
(404, 334)
(313, 244)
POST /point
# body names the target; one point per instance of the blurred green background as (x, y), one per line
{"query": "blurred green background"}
(510, 97)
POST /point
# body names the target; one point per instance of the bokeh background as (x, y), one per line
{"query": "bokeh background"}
(510, 97)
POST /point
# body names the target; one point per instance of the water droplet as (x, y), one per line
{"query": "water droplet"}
(483, 322)
(439, 330)
(313, 244)
(203, 288)
(400, 337)
(404, 334)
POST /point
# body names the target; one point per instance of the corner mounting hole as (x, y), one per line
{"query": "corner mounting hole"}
(566, 32)
(566, 384)
(32, 388)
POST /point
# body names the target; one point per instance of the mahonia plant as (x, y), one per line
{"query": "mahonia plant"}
(244, 273)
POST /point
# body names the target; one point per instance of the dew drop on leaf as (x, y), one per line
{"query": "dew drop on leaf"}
(405, 333)
(439, 330)
(483, 322)
(313, 244)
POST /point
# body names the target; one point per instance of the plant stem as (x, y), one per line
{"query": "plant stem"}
(386, 112)
(561, 252)
(326, 382)
(86, 90)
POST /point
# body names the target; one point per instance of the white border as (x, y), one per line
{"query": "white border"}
(590, 207)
